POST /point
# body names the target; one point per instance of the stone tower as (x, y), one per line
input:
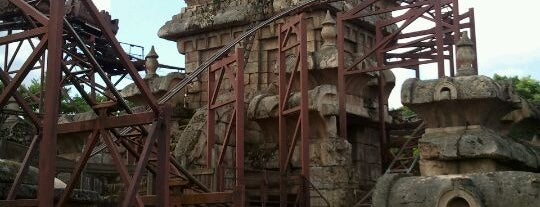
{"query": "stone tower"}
(467, 157)
(342, 168)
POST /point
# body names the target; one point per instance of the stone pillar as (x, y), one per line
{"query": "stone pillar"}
(151, 63)
(465, 56)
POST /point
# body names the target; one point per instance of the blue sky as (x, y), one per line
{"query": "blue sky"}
(141, 19)
(507, 35)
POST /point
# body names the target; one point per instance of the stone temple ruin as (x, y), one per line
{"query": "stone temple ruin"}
(281, 103)
(352, 166)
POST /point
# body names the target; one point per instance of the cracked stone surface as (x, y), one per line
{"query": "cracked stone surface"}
(475, 143)
(494, 189)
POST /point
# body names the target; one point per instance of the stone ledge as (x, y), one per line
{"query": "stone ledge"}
(460, 101)
(322, 99)
(198, 18)
(477, 143)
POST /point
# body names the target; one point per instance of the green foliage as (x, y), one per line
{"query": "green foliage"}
(405, 112)
(526, 87)
(529, 89)
(68, 104)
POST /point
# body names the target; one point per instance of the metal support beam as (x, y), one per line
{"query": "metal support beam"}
(288, 76)
(229, 70)
(47, 150)
(393, 48)
(107, 123)
(132, 189)
(163, 153)
(90, 144)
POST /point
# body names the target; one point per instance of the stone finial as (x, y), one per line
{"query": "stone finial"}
(151, 63)
(13, 106)
(329, 32)
(465, 56)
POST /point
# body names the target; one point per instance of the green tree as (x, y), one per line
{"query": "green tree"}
(69, 103)
(526, 87)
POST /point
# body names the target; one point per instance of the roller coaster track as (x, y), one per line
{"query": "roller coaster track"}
(204, 66)
(223, 51)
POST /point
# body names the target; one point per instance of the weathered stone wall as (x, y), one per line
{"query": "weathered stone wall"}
(494, 189)
(342, 168)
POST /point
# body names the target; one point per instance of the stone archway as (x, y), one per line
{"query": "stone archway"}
(459, 198)
(458, 202)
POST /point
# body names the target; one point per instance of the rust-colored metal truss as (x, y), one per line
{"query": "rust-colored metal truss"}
(227, 71)
(293, 79)
(397, 47)
(73, 59)
(145, 135)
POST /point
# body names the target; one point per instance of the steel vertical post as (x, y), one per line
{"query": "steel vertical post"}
(304, 112)
(439, 37)
(282, 142)
(456, 37)
(240, 107)
(6, 54)
(342, 82)
(381, 101)
(473, 38)
(210, 121)
(47, 149)
(452, 62)
(382, 124)
(163, 153)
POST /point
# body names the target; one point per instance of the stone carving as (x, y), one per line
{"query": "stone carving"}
(158, 86)
(445, 91)
(151, 63)
(465, 56)
(14, 130)
(341, 167)
(328, 32)
(493, 189)
(465, 148)
(480, 100)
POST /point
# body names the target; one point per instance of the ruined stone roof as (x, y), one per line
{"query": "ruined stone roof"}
(201, 18)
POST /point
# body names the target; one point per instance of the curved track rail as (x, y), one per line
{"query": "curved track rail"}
(199, 70)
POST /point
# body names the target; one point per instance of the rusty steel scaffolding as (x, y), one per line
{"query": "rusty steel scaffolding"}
(145, 135)
(227, 72)
(292, 43)
(399, 48)
(72, 59)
